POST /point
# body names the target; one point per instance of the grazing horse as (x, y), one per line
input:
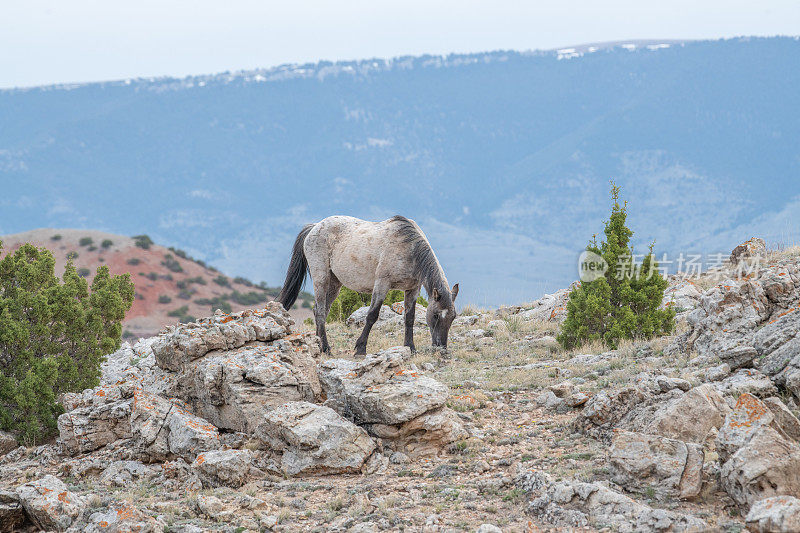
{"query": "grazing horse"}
(370, 257)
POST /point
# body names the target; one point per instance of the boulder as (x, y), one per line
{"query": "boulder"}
(548, 308)
(788, 423)
(378, 390)
(12, 514)
(228, 468)
(746, 380)
(669, 467)
(88, 428)
(232, 389)
(122, 517)
(164, 429)
(187, 342)
(747, 418)
(778, 345)
(778, 514)
(124, 473)
(423, 436)
(49, 504)
(768, 465)
(572, 504)
(752, 247)
(312, 439)
(686, 416)
(682, 294)
(359, 317)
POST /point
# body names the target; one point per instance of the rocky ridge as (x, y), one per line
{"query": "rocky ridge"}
(237, 422)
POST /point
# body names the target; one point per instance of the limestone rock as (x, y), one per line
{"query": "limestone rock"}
(572, 504)
(746, 380)
(670, 467)
(162, 429)
(188, 342)
(778, 345)
(12, 514)
(378, 390)
(768, 465)
(49, 504)
(359, 317)
(779, 514)
(228, 468)
(788, 423)
(550, 307)
(313, 439)
(232, 389)
(122, 517)
(88, 428)
(749, 248)
(747, 418)
(692, 416)
(424, 435)
(123, 473)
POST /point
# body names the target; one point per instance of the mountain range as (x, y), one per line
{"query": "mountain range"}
(504, 158)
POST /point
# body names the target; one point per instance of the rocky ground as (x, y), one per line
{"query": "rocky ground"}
(237, 423)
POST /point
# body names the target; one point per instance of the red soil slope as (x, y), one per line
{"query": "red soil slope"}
(150, 272)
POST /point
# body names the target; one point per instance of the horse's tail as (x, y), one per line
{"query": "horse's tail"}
(298, 268)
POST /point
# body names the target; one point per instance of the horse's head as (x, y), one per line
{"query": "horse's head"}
(441, 313)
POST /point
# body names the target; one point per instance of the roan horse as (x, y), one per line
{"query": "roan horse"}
(370, 257)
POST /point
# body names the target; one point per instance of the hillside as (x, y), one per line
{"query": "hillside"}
(502, 157)
(170, 285)
(238, 423)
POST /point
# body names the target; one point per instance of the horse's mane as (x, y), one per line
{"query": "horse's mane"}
(426, 266)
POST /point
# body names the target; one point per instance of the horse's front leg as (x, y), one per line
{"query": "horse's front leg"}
(410, 306)
(379, 292)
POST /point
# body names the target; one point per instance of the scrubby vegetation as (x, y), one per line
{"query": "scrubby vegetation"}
(182, 314)
(172, 264)
(143, 241)
(624, 302)
(85, 241)
(350, 300)
(53, 335)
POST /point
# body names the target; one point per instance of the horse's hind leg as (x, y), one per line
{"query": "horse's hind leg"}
(379, 292)
(410, 306)
(322, 287)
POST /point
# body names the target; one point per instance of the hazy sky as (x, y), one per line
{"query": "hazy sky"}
(52, 41)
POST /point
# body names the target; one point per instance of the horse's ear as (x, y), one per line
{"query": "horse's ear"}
(436, 295)
(455, 292)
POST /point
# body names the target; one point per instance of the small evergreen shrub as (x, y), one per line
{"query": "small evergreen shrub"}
(85, 241)
(623, 303)
(222, 281)
(182, 314)
(84, 272)
(143, 241)
(172, 264)
(56, 237)
(71, 256)
(164, 299)
(133, 261)
(53, 336)
(107, 243)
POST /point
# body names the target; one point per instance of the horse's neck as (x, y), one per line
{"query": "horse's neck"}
(435, 280)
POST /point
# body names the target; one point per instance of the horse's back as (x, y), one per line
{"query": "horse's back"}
(356, 251)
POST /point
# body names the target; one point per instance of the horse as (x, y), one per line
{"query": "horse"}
(372, 257)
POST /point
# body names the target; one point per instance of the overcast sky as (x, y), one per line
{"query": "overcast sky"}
(54, 41)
